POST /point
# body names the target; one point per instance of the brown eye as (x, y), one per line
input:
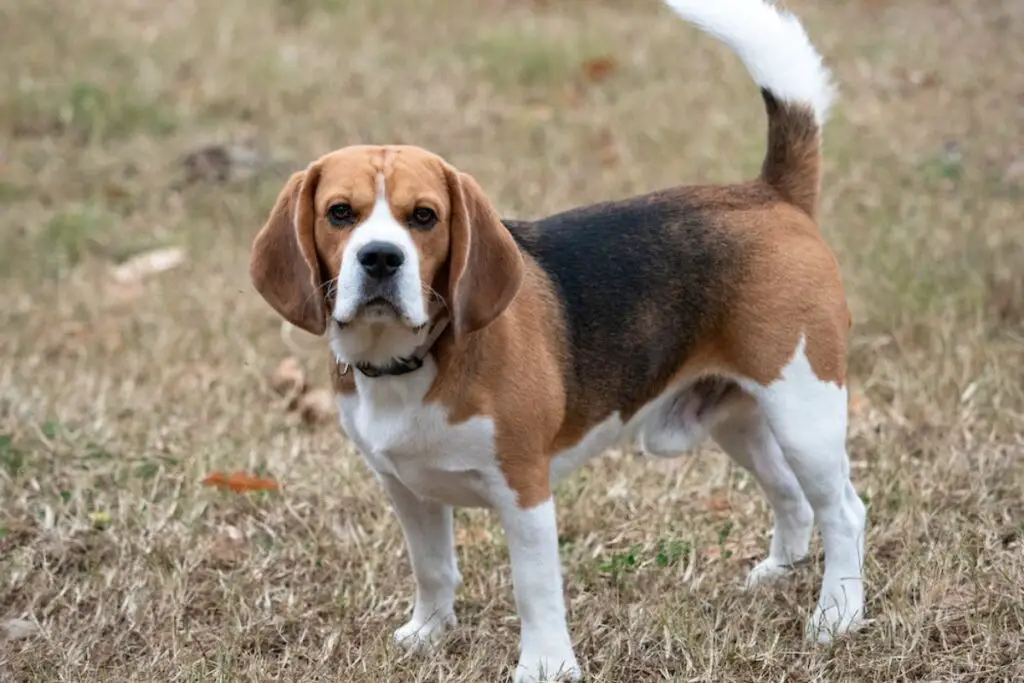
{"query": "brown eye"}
(340, 215)
(423, 218)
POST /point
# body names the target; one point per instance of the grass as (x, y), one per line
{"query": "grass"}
(117, 399)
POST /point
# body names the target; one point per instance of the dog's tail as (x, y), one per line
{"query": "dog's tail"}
(795, 84)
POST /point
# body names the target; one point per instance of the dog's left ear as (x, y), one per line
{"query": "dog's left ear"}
(485, 267)
(283, 265)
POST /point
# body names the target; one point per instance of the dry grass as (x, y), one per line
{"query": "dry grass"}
(118, 399)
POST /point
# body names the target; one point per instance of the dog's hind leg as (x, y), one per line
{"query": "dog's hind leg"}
(808, 416)
(746, 437)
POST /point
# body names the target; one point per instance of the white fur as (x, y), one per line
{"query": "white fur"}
(771, 43)
(807, 417)
(545, 648)
(404, 438)
(747, 438)
(430, 538)
(375, 338)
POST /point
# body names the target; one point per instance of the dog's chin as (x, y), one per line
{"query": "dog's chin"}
(378, 311)
(375, 333)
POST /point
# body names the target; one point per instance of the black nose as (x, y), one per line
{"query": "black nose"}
(380, 259)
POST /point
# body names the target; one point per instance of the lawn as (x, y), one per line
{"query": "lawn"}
(130, 126)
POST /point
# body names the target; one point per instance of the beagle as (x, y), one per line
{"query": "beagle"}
(480, 360)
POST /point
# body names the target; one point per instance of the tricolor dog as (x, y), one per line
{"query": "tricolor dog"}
(480, 360)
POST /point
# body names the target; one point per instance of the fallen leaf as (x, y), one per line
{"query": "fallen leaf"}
(599, 68)
(288, 379)
(317, 406)
(16, 629)
(240, 482)
(148, 263)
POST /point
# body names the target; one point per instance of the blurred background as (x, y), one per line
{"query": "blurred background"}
(142, 145)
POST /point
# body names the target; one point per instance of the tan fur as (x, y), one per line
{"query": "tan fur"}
(793, 287)
(285, 246)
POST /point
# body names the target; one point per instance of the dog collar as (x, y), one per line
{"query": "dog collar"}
(401, 366)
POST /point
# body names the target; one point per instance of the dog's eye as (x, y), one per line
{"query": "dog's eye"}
(340, 215)
(423, 218)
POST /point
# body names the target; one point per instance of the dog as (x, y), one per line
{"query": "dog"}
(477, 361)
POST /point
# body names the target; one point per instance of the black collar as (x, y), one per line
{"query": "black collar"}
(402, 366)
(397, 366)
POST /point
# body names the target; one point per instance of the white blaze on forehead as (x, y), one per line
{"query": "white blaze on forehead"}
(380, 225)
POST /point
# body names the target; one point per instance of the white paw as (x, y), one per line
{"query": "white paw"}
(767, 571)
(540, 668)
(420, 637)
(831, 621)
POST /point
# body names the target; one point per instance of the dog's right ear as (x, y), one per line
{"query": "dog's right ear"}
(283, 264)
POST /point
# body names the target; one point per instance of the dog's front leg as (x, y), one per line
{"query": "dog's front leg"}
(430, 540)
(545, 648)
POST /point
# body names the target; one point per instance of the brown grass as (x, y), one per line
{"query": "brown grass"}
(118, 399)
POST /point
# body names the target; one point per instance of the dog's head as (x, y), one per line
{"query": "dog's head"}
(371, 241)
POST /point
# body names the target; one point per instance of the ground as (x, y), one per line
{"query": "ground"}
(127, 126)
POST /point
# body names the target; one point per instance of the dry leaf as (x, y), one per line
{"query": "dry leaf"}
(15, 629)
(288, 379)
(317, 406)
(240, 482)
(599, 68)
(148, 263)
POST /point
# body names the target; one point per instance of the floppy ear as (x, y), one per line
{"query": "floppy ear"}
(485, 267)
(283, 265)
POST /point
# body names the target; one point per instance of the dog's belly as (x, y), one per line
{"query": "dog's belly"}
(672, 424)
(451, 464)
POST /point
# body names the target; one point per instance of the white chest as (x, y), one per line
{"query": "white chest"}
(402, 437)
